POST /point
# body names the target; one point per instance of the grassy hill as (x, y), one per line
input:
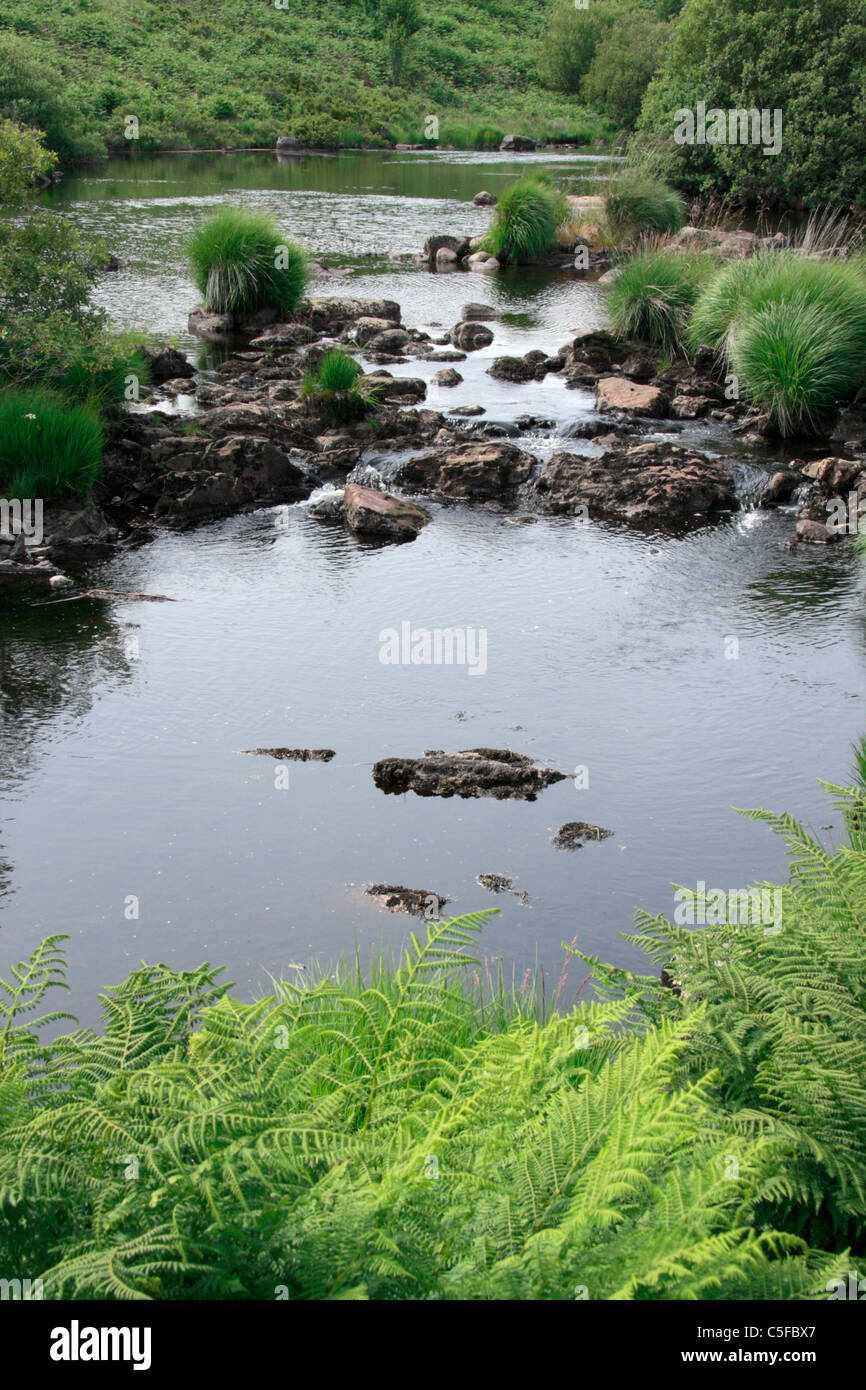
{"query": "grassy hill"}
(245, 71)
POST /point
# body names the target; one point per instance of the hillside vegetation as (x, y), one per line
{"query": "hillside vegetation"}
(327, 71)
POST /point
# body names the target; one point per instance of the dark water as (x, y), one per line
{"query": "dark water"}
(122, 721)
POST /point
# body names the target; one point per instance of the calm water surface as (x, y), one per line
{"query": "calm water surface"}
(120, 770)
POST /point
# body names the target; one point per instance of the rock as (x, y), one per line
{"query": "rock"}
(288, 335)
(215, 327)
(434, 244)
(491, 471)
(264, 468)
(288, 144)
(167, 364)
(382, 515)
(331, 316)
(515, 369)
(467, 410)
(446, 258)
(576, 833)
(447, 377)
(617, 395)
(814, 532)
(114, 263)
(468, 337)
(834, 475)
(242, 417)
(498, 883)
(779, 489)
(520, 143)
(397, 388)
(690, 407)
(295, 755)
(391, 340)
(609, 276)
(473, 772)
(480, 261)
(365, 329)
(477, 313)
(485, 199)
(644, 483)
(416, 901)
(637, 367)
(736, 246)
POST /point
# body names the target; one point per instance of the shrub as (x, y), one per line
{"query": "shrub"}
(650, 299)
(242, 262)
(625, 58)
(526, 220)
(806, 60)
(23, 158)
(336, 386)
(47, 447)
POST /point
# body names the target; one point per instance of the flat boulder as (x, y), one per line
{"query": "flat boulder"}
(333, 315)
(474, 772)
(477, 313)
(616, 395)
(381, 515)
(652, 483)
(489, 471)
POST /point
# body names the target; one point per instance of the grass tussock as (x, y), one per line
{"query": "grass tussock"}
(336, 387)
(241, 261)
(638, 205)
(48, 448)
(652, 296)
(526, 221)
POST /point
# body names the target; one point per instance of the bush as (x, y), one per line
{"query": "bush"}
(526, 220)
(31, 95)
(806, 60)
(636, 204)
(23, 158)
(47, 447)
(242, 262)
(650, 299)
(334, 387)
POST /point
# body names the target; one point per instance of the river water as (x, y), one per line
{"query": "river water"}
(681, 675)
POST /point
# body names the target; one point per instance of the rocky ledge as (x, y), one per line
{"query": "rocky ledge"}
(657, 483)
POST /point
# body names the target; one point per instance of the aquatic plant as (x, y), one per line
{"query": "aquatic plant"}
(241, 261)
(650, 299)
(47, 447)
(415, 1135)
(526, 220)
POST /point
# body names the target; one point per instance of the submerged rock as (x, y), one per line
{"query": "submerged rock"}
(497, 883)
(293, 755)
(474, 772)
(416, 901)
(576, 833)
(814, 532)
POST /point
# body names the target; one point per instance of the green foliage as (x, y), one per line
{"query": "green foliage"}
(569, 43)
(793, 329)
(50, 334)
(806, 60)
(526, 220)
(47, 447)
(336, 387)
(626, 56)
(636, 205)
(23, 158)
(241, 262)
(652, 295)
(240, 74)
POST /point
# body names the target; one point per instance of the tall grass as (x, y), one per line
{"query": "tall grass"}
(47, 447)
(637, 205)
(241, 261)
(652, 296)
(336, 387)
(526, 220)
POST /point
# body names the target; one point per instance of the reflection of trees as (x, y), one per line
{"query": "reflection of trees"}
(53, 658)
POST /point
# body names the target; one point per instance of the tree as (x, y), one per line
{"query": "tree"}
(625, 59)
(401, 20)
